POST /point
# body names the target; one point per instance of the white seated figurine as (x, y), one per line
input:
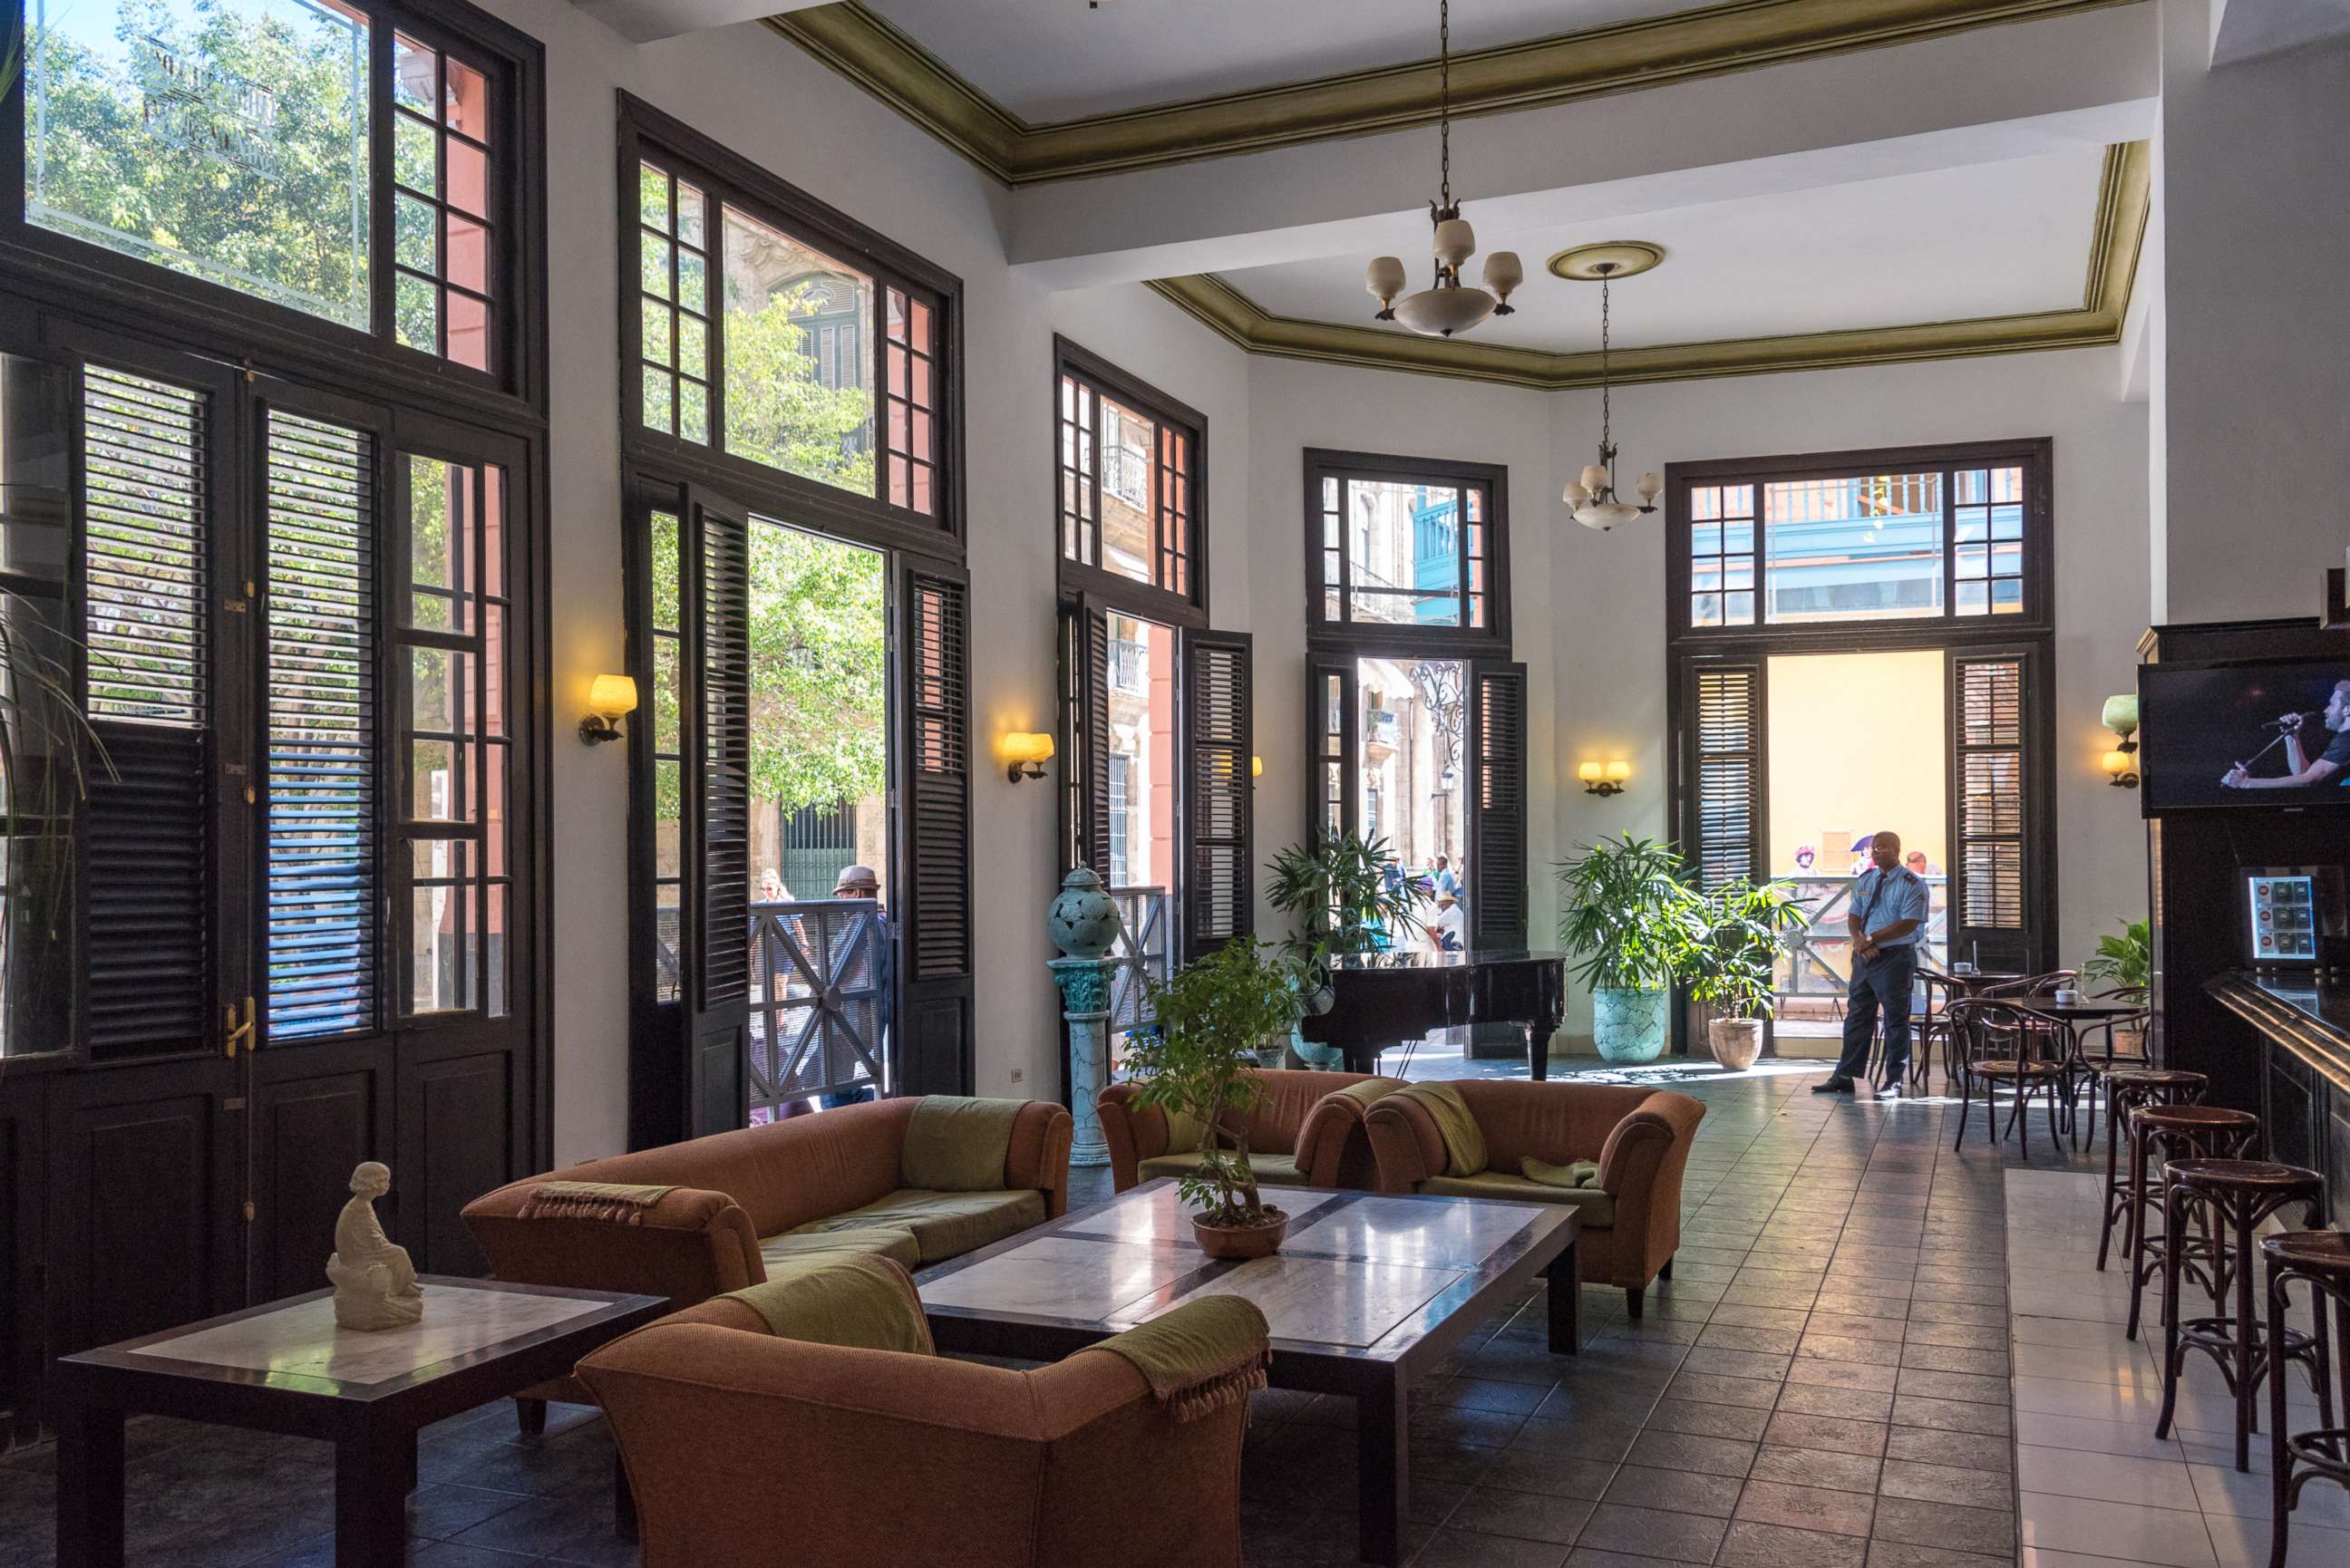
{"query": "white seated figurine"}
(375, 1284)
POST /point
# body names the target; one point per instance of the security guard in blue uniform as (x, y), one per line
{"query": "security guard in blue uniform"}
(1888, 913)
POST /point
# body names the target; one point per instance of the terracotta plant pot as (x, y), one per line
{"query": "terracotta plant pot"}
(1735, 1041)
(1241, 1241)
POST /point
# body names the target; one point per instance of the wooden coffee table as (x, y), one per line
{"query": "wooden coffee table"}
(1367, 1292)
(286, 1367)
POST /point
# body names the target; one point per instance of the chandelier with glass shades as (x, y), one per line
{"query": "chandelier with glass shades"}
(1592, 497)
(1447, 305)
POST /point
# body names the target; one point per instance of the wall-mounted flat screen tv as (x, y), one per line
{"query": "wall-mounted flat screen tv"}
(2269, 736)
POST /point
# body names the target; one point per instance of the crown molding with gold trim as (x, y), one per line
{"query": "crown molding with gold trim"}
(1625, 57)
(2121, 230)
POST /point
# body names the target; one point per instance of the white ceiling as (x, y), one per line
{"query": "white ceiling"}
(1989, 239)
(1058, 59)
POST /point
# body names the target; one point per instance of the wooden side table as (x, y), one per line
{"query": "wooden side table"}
(286, 1367)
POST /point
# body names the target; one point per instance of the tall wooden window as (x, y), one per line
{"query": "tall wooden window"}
(1129, 463)
(1415, 716)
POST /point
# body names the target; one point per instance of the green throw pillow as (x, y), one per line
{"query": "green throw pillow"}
(958, 1145)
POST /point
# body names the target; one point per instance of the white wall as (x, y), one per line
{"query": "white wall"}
(2254, 439)
(1588, 609)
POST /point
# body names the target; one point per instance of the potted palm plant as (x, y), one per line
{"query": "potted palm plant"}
(1343, 895)
(1630, 918)
(2124, 961)
(1732, 959)
(1211, 1019)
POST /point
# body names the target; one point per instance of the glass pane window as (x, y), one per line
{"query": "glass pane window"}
(909, 398)
(1987, 530)
(664, 529)
(453, 770)
(441, 229)
(1859, 547)
(228, 141)
(673, 304)
(1722, 555)
(787, 405)
(1129, 445)
(1129, 502)
(1079, 503)
(1403, 545)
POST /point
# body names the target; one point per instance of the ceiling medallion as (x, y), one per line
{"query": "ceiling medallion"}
(1592, 497)
(1447, 305)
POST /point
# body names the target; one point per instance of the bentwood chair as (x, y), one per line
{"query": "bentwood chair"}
(1993, 1044)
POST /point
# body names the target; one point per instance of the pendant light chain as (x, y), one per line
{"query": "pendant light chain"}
(1606, 387)
(1444, 96)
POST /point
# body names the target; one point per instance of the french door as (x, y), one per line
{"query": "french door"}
(302, 890)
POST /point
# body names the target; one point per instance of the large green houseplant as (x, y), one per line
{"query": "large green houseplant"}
(1630, 918)
(1194, 1063)
(1731, 963)
(1344, 894)
(2124, 960)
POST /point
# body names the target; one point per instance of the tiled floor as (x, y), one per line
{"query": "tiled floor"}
(1825, 1384)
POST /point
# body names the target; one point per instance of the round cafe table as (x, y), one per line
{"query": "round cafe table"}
(2073, 1017)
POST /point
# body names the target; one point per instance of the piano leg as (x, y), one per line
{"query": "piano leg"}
(1538, 1048)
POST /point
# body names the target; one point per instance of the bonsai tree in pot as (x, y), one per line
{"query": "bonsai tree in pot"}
(1195, 1062)
(1730, 960)
(1630, 918)
(1343, 895)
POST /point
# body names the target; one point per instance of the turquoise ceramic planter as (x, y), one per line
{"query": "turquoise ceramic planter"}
(1630, 1026)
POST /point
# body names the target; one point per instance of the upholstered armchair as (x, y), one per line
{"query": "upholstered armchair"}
(1639, 1139)
(877, 1453)
(1305, 1131)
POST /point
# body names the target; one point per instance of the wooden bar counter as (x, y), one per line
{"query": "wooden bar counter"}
(2303, 1026)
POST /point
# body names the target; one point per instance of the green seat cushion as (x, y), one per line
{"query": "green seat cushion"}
(857, 1301)
(796, 1252)
(1272, 1169)
(944, 1224)
(1595, 1206)
(958, 1145)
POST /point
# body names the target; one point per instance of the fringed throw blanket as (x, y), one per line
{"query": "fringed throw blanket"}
(617, 1201)
(1207, 1354)
(1464, 1141)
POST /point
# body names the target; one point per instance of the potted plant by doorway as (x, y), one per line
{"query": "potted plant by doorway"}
(1629, 917)
(1343, 895)
(2124, 961)
(1211, 1020)
(1731, 962)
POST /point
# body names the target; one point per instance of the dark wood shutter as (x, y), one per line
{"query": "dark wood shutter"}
(1496, 872)
(146, 523)
(935, 1045)
(718, 1023)
(1330, 723)
(1092, 761)
(1219, 805)
(1723, 707)
(1991, 901)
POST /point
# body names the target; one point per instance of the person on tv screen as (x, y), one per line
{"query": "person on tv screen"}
(2302, 769)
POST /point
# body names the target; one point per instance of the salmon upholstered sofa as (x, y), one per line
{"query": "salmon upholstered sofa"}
(747, 1206)
(980, 1466)
(1639, 1137)
(1307, 1130)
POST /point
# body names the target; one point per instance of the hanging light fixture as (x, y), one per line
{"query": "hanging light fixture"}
(1447, 305)
(1592, 497)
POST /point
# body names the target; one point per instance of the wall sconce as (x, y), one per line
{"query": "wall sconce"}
(610, 700)
(1603, 778)
(1025, 753)
(2121, 717)
(1256, 767)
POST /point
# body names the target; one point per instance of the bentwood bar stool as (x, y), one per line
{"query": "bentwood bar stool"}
(2237, 1195)
(2321, 1260)
(2128, 1088)
(2160, 1134)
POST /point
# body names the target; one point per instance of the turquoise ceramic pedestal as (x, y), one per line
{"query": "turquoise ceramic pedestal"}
(1630, 1026)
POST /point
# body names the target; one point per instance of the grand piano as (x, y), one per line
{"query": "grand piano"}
(1384, 999)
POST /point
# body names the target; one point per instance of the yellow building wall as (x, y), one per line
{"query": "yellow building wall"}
(1857, 744)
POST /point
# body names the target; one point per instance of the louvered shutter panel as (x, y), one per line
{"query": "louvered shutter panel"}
(1093, 738)
(319, 613)
(146, 638)
(1496, 872)
(1991, 904)
(1726, 768)
(1219, 814)
(718, 1033)
(934, 1044)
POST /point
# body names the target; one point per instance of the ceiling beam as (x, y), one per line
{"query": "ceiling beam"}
(2089, 79)
(2255, 29)
(2123, 200)
(649, 21)
(1739, 35)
